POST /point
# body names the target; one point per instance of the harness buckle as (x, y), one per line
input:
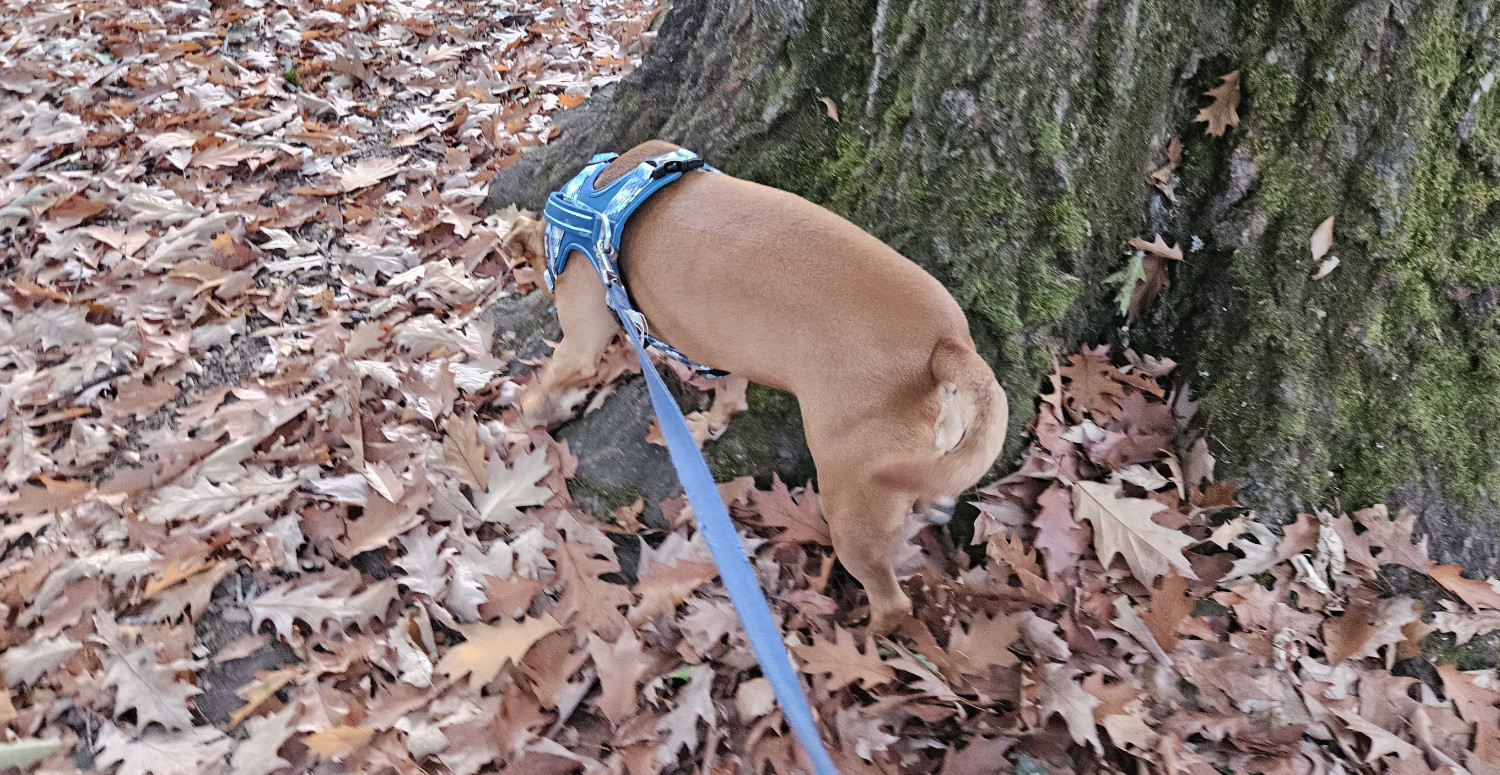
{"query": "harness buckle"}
(675, 166)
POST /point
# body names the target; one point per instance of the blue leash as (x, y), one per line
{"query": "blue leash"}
(729, 553)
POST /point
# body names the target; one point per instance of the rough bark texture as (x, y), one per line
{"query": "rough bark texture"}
(1004, 146)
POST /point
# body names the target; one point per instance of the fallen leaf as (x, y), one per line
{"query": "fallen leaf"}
(801, 519)
(370, 171)
(337, 742)
(620, 666)
(257, 753)
(843, 662)
(588, 602)
(511, 488)
(1157, 247)
(985, 644)
(1123, 527)
(463, 452)
(1058, 693)
(1478, 595)
(1477, 705)
(150, 688)
(1170, 604)
(1322, 238)
(488, 648)
(680, 727)
(265, 686)
(1060, 536)
(22, 754)
(1221, 113)
(190, 752)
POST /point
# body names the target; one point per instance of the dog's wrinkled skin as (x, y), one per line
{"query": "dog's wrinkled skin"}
(899, 409)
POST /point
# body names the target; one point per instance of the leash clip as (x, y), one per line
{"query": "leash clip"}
(675, 166)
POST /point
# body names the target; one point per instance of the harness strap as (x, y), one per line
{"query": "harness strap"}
(588, 220)
(728, 552)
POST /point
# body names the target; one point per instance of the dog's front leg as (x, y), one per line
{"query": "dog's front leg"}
(588, 328)
(729, 399)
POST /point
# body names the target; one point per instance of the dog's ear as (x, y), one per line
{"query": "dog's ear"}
(525, 241)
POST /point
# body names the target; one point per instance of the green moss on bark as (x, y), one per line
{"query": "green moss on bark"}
(1348, 387)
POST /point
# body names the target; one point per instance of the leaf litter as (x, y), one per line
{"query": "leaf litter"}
(269, 507)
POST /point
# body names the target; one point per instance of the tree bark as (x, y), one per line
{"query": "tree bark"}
(1004, 146)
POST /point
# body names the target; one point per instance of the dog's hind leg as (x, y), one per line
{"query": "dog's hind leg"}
(588, 328)
(865, 521)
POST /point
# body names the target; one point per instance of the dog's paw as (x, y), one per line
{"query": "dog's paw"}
(887, 616)
(538, 410)
(546, 410)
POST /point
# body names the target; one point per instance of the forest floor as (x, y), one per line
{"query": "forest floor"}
(268, 506)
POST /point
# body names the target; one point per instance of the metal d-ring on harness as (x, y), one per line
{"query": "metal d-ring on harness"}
(591, 221)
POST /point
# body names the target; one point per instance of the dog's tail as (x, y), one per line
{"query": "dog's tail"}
(968, 433)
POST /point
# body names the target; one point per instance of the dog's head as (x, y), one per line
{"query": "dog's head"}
(526, 240)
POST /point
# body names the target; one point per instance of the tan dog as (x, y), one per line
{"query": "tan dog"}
(898, 408)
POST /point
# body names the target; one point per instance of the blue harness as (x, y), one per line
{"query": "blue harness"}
(591, 222)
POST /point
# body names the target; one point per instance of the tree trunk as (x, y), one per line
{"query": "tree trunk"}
(1005, 145)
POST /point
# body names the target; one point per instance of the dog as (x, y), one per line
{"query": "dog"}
(899, 410)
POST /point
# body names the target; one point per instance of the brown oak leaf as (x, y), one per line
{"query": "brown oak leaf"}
(1478, 595)
(1476, 704)
(1222, 113)
(595, 602)
(1123, 527)
(1060, 536)
(489, 647)
(801, 518)
(1058, 693)
(842, 660)
(667, 586)
(1170, 604)
(986, 643)
(620, 666)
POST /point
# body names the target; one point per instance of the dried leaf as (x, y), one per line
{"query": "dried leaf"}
(680, 727)
(511, 488)
(802, 518)
(191, 752)
(463, 452)
(488, 648)
(1222, 113)
(1479, 595)
(620, 666)
(370, 171)
(1058, 693)
(1322, 239)
(1170, 604)
(1123, 527)
(589, 603)
(843, 662)
(151, 689)
(337, 742)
